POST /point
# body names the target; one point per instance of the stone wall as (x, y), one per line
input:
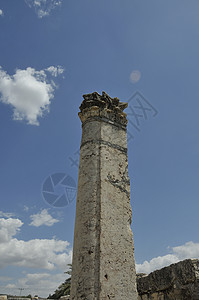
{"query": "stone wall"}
(179, 281)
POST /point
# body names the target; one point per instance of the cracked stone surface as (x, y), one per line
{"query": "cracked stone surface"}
(178, 281)
(103, 251)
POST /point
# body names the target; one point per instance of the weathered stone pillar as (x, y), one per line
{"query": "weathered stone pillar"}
(103, 264)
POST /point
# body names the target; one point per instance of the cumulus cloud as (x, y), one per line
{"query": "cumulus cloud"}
(188, 250)
(42, 218)
(47, 254)
(1, 12)
(9, 228)
(28, 92)
(36, 253)
(43, 8)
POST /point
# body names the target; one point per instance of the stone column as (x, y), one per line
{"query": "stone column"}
(103, 264)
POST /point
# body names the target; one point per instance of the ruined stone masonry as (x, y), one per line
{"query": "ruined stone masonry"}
(103, 251)
(179, 281)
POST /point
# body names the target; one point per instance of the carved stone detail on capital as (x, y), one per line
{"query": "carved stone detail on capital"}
(103, 106)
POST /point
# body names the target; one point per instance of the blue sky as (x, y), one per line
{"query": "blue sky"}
(54, 51)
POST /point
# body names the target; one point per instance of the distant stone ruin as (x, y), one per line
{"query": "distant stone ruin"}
(179, 281)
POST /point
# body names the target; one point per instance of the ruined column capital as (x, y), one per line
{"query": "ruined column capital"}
(103, 107)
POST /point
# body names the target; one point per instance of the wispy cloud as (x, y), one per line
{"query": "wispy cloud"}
(43, 8)
(42, 218)
(55, 71)
(1, 12)
(26, 208)
(6, 215)
(29, 92)
(188, 250)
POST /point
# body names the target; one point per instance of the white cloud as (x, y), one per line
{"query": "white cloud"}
(9, 228)
(36, 253)
(6, 215)
(156, 263)
(42, 218)
(49, 254)
(29, 92)
(188, 250)
(41, 284)
(1, 12)
(43, 8)
(26, 208)
(55, 71)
